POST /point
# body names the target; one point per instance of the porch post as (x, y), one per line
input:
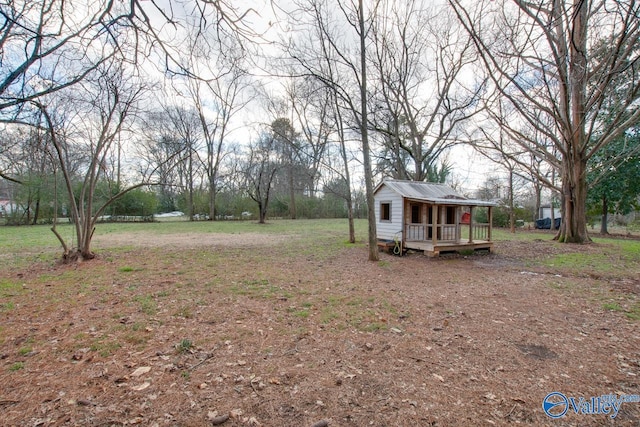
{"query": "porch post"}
(406, 218)
(490, 221)
(434, 224)
(470, 224)
(424, 221)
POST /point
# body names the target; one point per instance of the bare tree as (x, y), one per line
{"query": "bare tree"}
(315, 109)
(301, 132)
(341, 63)
(8, 152)
(259, 171)
(508, 161)
(184, 126)
(286, 144)
(160, 154)
(48, 45)
(576, 62)
(341, 168)
(311, 104)
(429, 85)
(218, 92)
(43, 50)
(92, 120)
(37, 35)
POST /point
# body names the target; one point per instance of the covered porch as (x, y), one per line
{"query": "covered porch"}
(444, 227)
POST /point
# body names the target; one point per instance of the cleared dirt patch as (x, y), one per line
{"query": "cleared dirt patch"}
(190, 240)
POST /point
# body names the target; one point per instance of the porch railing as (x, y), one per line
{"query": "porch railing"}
(420, 232)
(446, 232)
(480, 231)
(415, 232)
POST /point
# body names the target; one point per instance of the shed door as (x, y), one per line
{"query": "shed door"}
(415, 229)
(451, 215)
(416, 213)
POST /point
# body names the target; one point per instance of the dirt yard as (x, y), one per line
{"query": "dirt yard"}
(257, 330)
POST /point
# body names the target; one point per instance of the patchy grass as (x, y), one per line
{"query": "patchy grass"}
(629, 306)
(605, 256)
(147, 304)
(17, 366)
(576, 262)
(105, 347)
(9, 288)
(258, 288)
(612, 306)
(7, 306)
(30, 238)
(303, 313)
(24, 351)
(184, 345)
(634, 312)
(299, 227)
(185, 312)
(24, 245)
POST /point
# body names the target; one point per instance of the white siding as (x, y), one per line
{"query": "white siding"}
(545, 212)
(387, 230)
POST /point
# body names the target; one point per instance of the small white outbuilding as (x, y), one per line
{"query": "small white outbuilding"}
(429, 217)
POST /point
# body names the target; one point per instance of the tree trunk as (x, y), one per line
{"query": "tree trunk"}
(512, 214)
(349, 197)
(364, 129)
(552, 203)
(292, 192)
(352, 228)
(212, 200)
(36, 211)
(85, 250)
(190, 196)
(605, 216)
(573, 228)
(262, 213)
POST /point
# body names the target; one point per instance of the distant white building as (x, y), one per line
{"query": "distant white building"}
(7, 208)
(545, 212)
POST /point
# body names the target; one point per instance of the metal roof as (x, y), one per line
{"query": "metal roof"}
(430, 192)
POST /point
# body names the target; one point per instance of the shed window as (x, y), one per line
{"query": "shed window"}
(385, 211)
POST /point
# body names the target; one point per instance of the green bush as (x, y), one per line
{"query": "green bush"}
(500, 215)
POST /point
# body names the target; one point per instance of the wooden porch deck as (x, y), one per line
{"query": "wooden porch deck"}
(447, 246)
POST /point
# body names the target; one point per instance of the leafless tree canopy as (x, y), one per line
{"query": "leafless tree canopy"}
(428, 86)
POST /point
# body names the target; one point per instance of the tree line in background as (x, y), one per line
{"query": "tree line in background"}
(138, 107)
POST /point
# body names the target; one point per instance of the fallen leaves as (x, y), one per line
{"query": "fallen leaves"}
(216, 419)
(141, 371)
(141, 387)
